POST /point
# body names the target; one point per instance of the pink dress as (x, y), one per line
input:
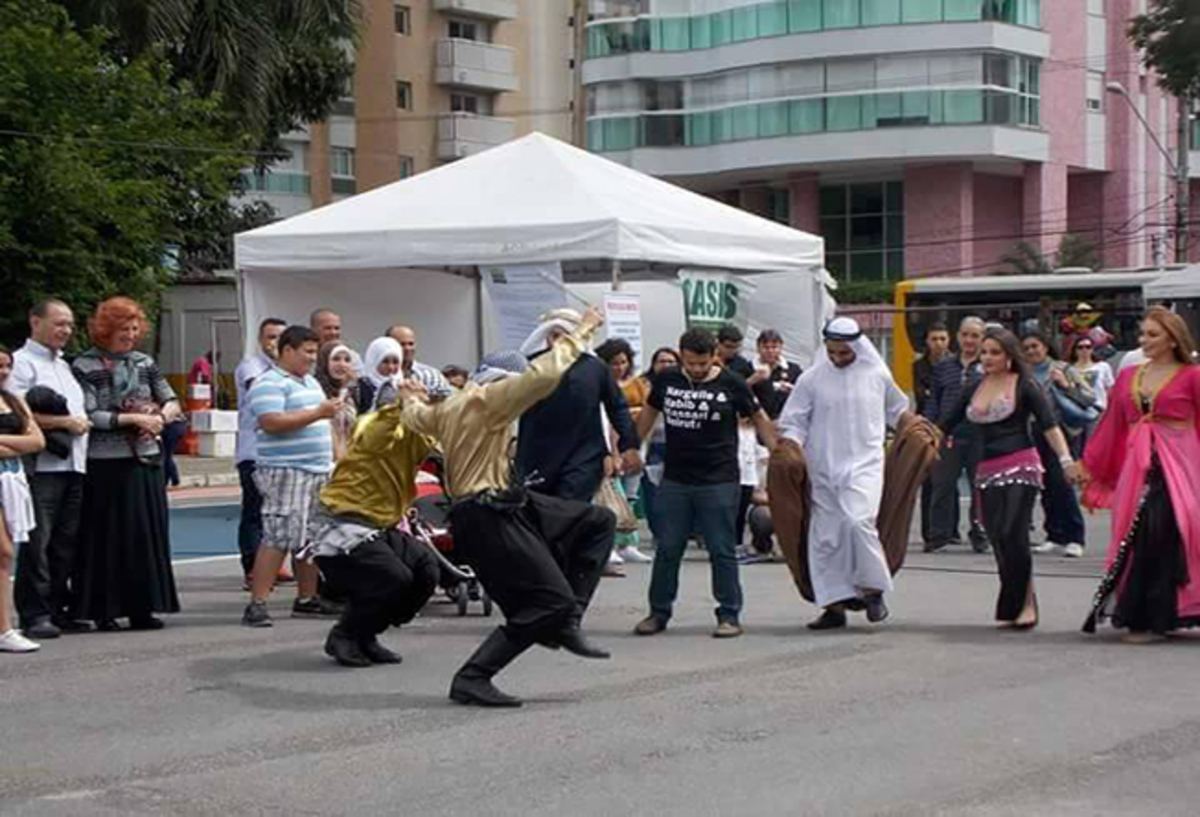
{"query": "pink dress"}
(1136, 450)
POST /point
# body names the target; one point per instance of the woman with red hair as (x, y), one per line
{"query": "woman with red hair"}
(125, 556)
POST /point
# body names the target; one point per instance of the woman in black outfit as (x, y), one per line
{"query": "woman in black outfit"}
(1010, 474)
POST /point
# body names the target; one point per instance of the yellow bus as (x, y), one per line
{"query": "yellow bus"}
(1014, 300)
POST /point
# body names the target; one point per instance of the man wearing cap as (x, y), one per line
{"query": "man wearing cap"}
(537, 556)
(774, 375)
(839, 414)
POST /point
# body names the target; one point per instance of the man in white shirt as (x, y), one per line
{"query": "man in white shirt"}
(42, 592)
(250, 526)
(839, 413)
(436, 385)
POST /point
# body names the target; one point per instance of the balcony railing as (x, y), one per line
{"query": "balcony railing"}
(478, 66)
(465, 134)
(484, 9)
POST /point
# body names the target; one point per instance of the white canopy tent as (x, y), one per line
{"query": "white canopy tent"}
(382, 257)
(1179, 285)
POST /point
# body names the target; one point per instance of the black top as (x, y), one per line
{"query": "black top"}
(11, 422)
(562, 438)
(768, 393)
(740, 366)
(363, 395)
(701, 425)
(1012, 433)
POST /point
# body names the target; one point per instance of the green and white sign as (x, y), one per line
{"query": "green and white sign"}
(713, 299)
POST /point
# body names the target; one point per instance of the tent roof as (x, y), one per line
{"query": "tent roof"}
(534, 199)
(1184, 283)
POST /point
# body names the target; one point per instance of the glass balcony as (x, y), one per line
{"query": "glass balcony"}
(797, 117)
(779, 17)
(286, 182)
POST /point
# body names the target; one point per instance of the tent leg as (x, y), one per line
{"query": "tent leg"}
(616, 274)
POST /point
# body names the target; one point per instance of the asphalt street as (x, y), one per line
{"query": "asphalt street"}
(934, 712)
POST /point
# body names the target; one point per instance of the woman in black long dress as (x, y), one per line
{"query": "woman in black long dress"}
(125, 553)
(1002, 404)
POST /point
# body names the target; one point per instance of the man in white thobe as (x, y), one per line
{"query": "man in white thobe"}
(839, 413)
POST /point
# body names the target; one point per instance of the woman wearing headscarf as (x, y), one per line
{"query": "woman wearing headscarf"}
(335, 373)
(381, 367)
(124, 566)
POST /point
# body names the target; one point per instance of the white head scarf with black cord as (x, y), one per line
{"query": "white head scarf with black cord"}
(848, 331)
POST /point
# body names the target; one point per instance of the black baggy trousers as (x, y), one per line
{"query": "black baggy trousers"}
(386, 581)
(540, 560)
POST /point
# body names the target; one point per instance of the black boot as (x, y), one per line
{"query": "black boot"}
(832, 619)
(377, 653)
(572, 639)
(341, 647)
(473, 683)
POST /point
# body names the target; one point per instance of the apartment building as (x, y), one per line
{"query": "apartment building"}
(435, 80)
(918, 137)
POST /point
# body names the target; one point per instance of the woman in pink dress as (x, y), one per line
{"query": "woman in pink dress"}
(1144, 462)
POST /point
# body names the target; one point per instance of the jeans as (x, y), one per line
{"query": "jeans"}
(46, 564)
(1064, 519)
(712, 510)
(962, 456)
(250, 526)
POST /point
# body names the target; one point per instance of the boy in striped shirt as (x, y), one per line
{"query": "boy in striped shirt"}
(294, 459)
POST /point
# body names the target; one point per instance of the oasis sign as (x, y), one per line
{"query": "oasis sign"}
(713, 299)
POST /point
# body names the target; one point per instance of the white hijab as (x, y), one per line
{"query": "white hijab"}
(379, 350)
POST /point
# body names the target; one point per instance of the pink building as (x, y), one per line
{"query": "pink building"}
(919, 137)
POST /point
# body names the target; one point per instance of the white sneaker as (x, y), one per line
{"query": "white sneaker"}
(1048, 547)
(634, 556)
(13, 641)
(1073, 551)
(614, 558)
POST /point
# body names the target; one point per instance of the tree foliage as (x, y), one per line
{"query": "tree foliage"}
(104, 163)
(1169, 34)
(277, 64)
(1073, 251)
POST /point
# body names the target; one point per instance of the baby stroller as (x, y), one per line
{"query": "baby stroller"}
(429, 520)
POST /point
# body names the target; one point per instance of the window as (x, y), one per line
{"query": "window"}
(341, 162)
(407, 166)
(403, 19)
(465, 30)
(404, 99)
(464, 103)
(863, 227)
(841, 13)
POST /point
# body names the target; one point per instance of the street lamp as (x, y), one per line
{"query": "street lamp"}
(1179, 166)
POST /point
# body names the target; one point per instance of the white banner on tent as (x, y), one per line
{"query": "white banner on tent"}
(713, 299)
(520, 294)
(623, 318)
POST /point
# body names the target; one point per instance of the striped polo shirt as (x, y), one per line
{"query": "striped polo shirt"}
(308, 449)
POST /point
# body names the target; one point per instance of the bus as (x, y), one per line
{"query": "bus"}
(1014, 301)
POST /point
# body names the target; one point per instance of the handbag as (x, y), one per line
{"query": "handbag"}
(610, 496)
(1072, 414)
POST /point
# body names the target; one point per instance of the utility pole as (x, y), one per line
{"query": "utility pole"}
(579, 16)
(1183, 193)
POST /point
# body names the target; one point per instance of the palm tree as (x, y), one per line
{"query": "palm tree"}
(1073, 251)
(274, 63)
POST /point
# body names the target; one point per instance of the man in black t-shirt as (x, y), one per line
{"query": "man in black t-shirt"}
(700, 403)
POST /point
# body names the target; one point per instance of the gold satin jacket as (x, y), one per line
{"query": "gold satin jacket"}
(377, 479)
(474, 427)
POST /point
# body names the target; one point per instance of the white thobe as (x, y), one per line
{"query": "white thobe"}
(840, 418)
